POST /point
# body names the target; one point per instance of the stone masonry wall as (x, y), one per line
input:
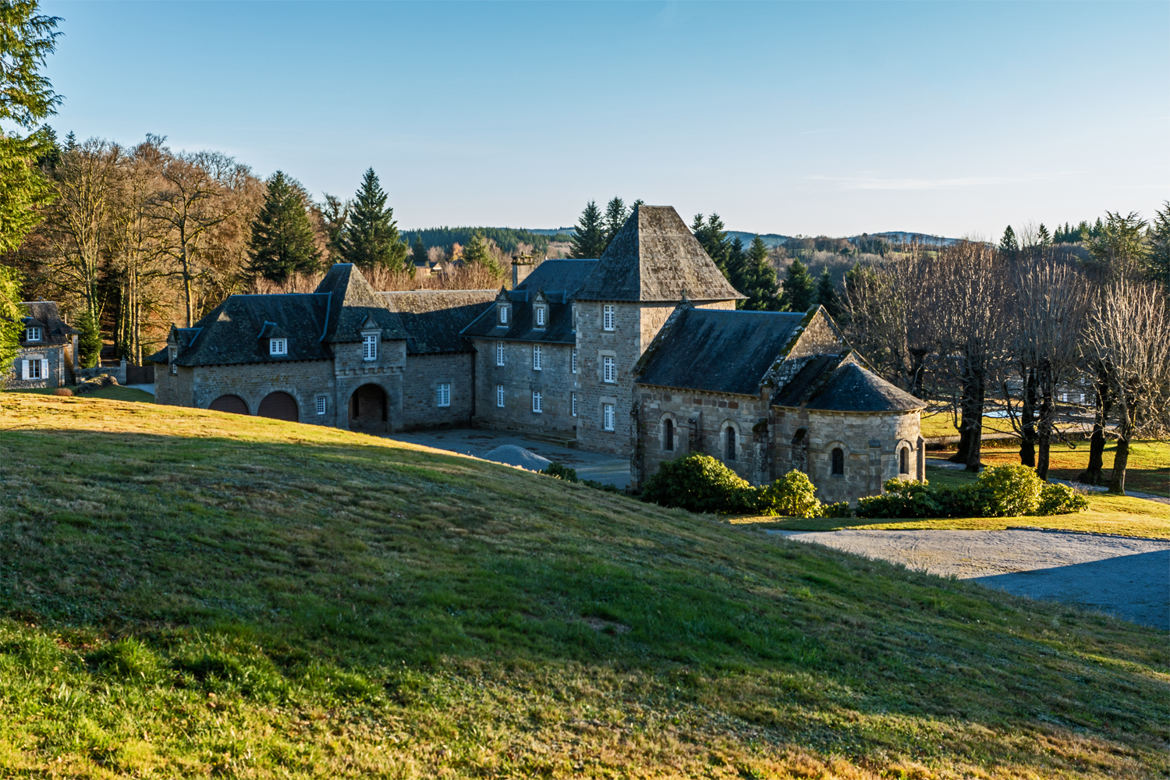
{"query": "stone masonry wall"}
(421, 379)
(555, 382)
(302, 379)
(56, 376)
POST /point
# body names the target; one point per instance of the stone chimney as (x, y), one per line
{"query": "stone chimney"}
(522, 265)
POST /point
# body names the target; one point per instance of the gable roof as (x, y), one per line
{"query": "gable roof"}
(553, 282)
(353, 302)
(654, 257)
(718, 351)
(46, 316)
(434, 319)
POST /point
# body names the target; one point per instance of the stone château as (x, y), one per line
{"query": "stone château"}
(640, 352)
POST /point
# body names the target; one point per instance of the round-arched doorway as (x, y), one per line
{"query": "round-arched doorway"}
(229, 403)
(279, 406)
(368, 409)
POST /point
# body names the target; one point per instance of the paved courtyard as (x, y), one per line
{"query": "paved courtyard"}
(601, 467)
(1126, 577)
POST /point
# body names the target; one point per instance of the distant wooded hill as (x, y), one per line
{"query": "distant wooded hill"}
(509, 240)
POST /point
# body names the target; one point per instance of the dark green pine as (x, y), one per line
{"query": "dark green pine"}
(283, 242)
(371, 238)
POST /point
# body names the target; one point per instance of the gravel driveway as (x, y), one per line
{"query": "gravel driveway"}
(1126, 577)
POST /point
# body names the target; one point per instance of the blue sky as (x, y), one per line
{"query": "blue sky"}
(835, 118)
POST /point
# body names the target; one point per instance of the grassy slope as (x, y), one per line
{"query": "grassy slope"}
(189, 592)
(1123, 515)
(111, 392)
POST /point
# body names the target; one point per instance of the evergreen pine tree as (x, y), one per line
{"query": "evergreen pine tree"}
(282, 242)
(615, 216)
(371, 239)
(1043, 237)
(1008, 244)
(737, 271)
(1159, 257)
(10, 320)
(760, 283)
(418, 253)
(89, 343)
(477, 253)
(335, 213)
(713, 237)
(589, 239)
(799, 288)
(827, 294)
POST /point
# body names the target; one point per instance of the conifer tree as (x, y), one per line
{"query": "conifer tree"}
(89, 343)
(10, 319)
(1008, 245)
(799, 288)
(1159, 257)
(371, 238)
(616, 214)
(418, 252)
(477, 253)
(1042, 236)
(589, 239)
(760, 283)
(335, 213)
(713, 237)
(827, 294)
(282, 242)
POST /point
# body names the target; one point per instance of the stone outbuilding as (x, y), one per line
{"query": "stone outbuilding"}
(768, 392)
(47, 352)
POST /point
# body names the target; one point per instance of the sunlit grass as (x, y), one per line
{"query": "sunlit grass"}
(191, 593)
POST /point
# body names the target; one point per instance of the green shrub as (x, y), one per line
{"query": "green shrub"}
(903, 498)
(1057, 499)
(1009, 491)
(836, 509)
(700, 483)
(89, 344)
(561, 471)
(793, 495)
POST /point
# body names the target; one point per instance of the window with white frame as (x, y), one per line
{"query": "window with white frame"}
(537, 402)
(573, 404)
(174, 354)
(537, 358)
(499, 353)
(608, 369)
(35, 368)
(541, 315)
(277, 346)
(443, 394)
(32, 333)
(500, 396)
(607, 417)
(322, 404)
(505, 311)
(369, 346)
(607, 317)
(573, 361)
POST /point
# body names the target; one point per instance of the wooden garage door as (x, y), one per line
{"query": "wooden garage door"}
(229, 403)
(279, 406)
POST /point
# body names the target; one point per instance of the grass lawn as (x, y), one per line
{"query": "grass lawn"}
(941, 423)
(110, 392)
(184, 592)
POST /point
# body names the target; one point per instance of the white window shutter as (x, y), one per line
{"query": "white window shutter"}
(24, 369)
(45, 369)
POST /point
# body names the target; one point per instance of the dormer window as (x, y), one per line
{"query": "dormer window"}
(505, 313)
(369, 346)
(32, 333)
(541, 315)
(278, 347)
(173, 353)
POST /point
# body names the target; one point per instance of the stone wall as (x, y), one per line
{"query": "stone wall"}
(420, 391)
(350, 372)
(55, 368)
(870, 443)
(555, 382)
(701, 423)
(302, 379)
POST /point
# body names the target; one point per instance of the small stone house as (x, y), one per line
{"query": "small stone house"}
(768, 392)
(48, 348)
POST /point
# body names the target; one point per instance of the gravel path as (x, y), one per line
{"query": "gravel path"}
(1123, 576)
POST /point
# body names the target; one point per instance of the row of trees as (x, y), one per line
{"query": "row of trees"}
(1020, 322)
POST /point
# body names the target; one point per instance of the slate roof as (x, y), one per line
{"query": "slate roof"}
(434, 319)
(654, 257)
(237, 331)
(853, 388)
(719, 351)
(556, 282)
(46, 316)
(352, 303)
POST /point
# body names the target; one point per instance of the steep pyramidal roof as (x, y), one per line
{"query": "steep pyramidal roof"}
(655, 258)
(352, 302)
(852, 388)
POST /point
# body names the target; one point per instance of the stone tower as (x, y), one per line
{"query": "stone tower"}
(652, 264)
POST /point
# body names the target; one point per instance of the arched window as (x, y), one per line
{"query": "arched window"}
(838, 462)
(904, 460)
(668, 434)
(730, 448)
